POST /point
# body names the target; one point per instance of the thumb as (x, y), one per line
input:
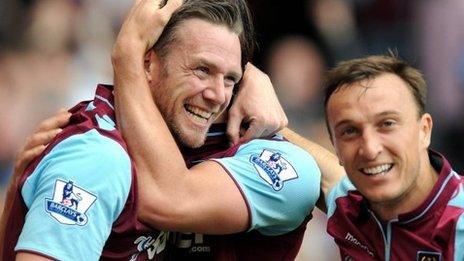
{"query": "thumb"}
(233, 127)
(253, 131)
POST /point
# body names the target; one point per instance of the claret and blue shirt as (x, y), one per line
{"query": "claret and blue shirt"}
(434, 231)
(78, 200)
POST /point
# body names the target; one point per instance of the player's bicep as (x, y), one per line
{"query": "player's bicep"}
(73, 197)
(219, 206)
(280, 184)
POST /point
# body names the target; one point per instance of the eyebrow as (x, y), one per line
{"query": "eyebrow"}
(234, 74)
(381, 114)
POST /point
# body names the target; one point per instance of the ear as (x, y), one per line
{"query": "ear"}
(151, 64)
(425, 132)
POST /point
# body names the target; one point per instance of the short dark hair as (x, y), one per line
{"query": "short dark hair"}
(235, 14)
(348, 72)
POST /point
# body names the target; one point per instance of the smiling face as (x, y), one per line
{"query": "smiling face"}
(380, 139)
(193, 83)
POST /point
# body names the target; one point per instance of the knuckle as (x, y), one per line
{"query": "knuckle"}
(285, 121)
(265, 76)
(29, 139)
(162, 18)
(50, 135)
(40, 127)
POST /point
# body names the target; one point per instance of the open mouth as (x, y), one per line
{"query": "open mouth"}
(380, 169)
(198, 114)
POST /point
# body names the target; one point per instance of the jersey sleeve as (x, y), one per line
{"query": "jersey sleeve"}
(457, 201)
(73, 196)
(339, 190)
(459, 239)
(279, 181)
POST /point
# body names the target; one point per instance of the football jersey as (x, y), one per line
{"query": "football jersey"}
(78, 199)
(433, 231)
(280, 183)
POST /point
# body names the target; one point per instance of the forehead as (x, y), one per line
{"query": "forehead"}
(197, 38)
(366, 99)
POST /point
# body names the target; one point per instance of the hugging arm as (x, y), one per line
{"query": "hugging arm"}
(331, 171)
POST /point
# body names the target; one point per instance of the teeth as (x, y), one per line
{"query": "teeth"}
(198, 113)
(377, 170)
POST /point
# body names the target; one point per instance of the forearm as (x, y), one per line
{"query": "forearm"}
(172, 197)
(331, 171)
(149, 140)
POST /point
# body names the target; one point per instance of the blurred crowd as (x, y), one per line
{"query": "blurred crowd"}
(54, 52)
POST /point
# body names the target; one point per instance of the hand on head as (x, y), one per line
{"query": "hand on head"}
(144, 24)
(257, 105)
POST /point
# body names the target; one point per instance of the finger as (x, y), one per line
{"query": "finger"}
(233, 126)
(41, 138)
(62, 110)
(166, 12)
(172, 5)
(25, 158)
(57, 121)
(253, 131)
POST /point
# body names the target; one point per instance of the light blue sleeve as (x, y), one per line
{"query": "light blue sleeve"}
(459, 239)
(458, 202)
(279, 181)
(339, 190)
(73, 197)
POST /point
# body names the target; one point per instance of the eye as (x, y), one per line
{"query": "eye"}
(230, 81)
(202, 70)
(387, 124)
(349, 132)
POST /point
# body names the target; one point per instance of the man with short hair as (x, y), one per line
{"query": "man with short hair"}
(124, 215)
(400, 199)
(237, 189)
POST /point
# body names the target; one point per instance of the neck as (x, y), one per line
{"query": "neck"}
(411, 199)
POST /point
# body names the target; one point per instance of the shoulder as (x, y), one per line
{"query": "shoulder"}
(278, 162)
(279, 181)
(78, 189)
(338, 191)
(91, 144)
(89, 159)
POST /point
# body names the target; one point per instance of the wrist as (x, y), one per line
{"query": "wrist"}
(128, 49)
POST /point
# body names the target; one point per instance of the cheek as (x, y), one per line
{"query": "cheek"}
(345, 152)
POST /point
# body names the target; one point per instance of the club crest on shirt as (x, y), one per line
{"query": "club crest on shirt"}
(69, 203)
(428, 256)
(273, 168)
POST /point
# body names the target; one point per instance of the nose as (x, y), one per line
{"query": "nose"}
(371, 145)
(216, 92)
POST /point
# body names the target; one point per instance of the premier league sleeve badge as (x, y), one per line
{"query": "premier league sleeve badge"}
(69, 203)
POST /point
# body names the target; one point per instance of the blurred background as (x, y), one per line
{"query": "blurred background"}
(54, 52)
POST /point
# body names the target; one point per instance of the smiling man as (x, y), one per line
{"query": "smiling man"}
(400, 200)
